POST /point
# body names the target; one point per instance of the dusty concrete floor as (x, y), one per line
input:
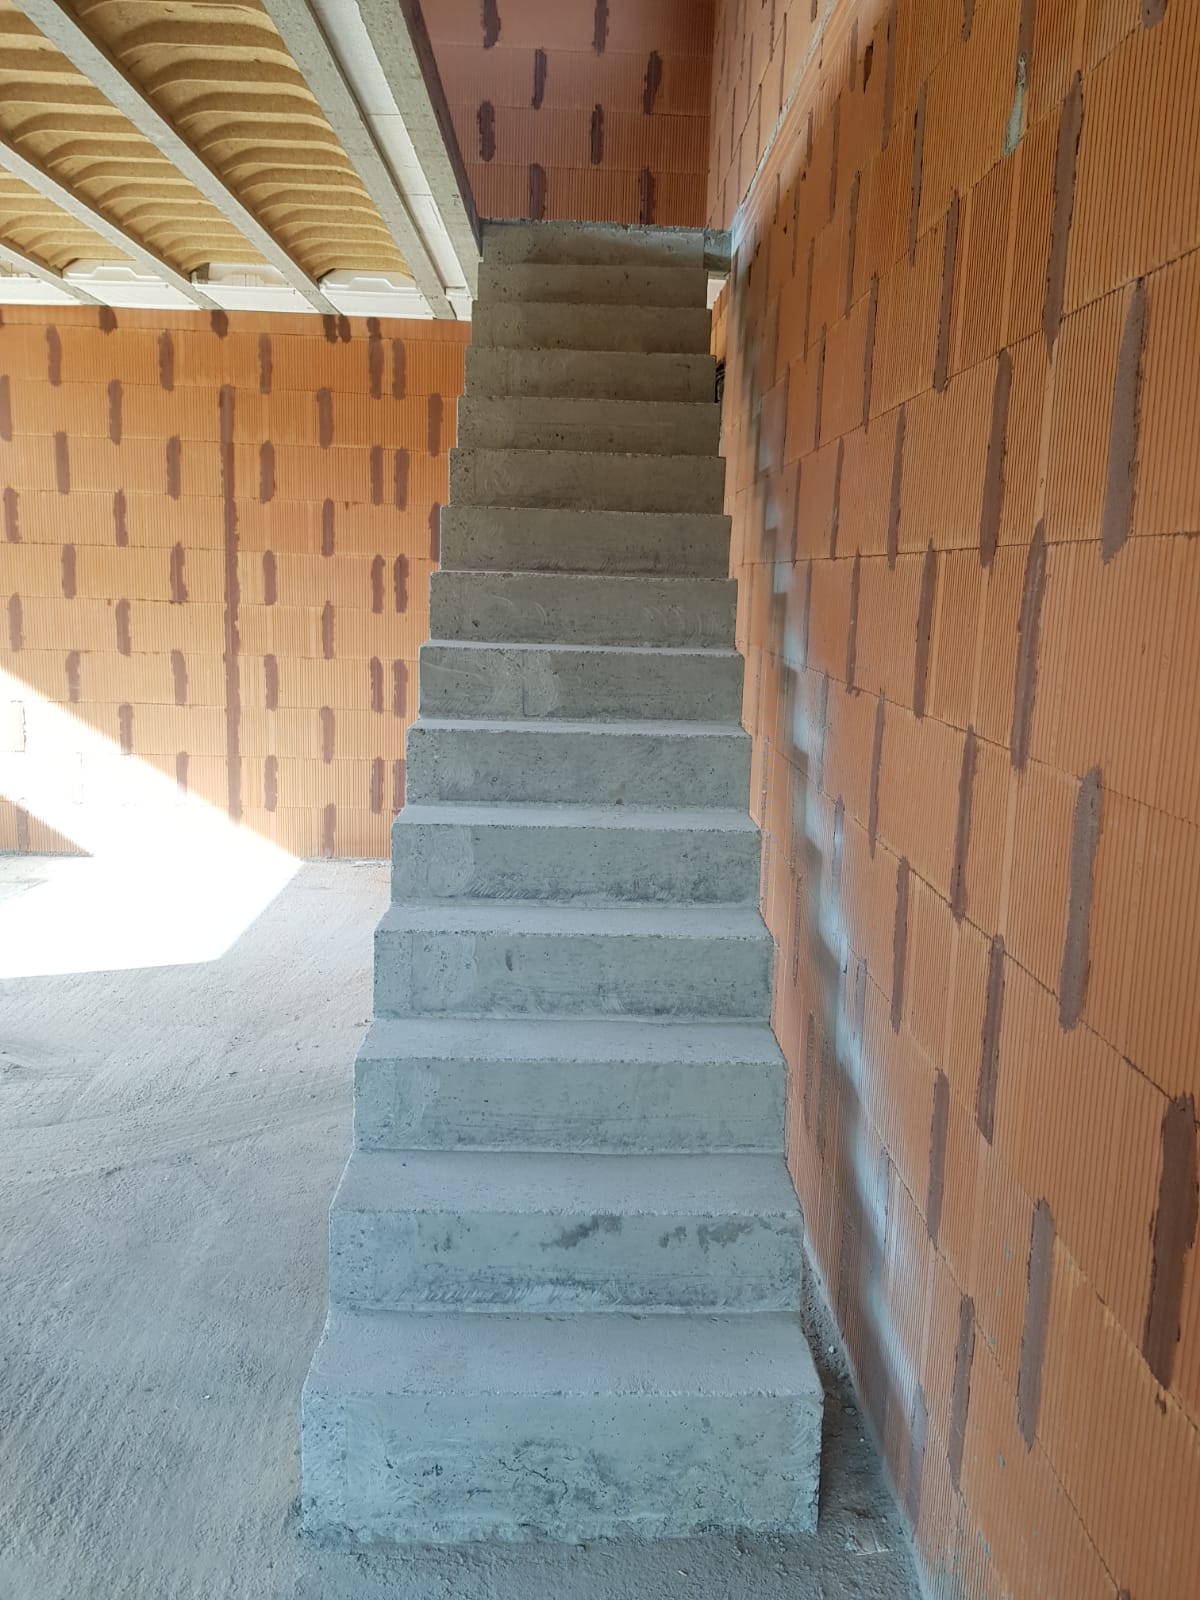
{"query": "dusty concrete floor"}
(171, 1139)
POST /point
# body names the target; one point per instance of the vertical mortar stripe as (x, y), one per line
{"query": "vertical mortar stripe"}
(53, 356)
(271, 783)
(839, 464)
(179, 592)
(1029, 622)
(166, 360)
(653, 83)
(115, 398)
(179, 677)
(941, 365)
(377, 570)
(937, 1156)
(899, 944)
(960, 1393)
(1070, 124)
(924, 629)
(833, 157)
(537, 192)
(869, 349)
(893, 529)
(329, 830)
(265, 363)
(539, 79)
(1037, 1317)
(69, 580)
(889, 73)
(810, 1046)
(232, 599)
(647, 197)
(374, 359)
(918, 159)
(1174, 1235)
(596, 148)
(992, 503)
(327, 631)
(962, 830)
(6, 421)
(328, 733)
(12, 516)
(989, 1056)
(852, 628)
(62, 464)
(852, 240)
(876, 763)
(916, 1457)
(324, 418)
(1117, 520)
(1085, 838)
(328, 528)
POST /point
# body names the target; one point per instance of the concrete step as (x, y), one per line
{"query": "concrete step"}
(521, 539)
(589, 374)
(445, 1427)
(492, 1230)
(582, 608)
(600, 1086)
(593, 855)
(585, 763)
(626, 284)
(533, 422)
(576, 682)
(592, 244)
(549, 325)
(587, 480)
(519, 959)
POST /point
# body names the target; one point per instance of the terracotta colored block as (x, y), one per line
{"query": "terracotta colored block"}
(1078, 1126)
(1097, 1388)
(1033, 166)
(1164, 1023)
(1167, 495)
(918, 793)
(1151, 80)
(1036, 1538)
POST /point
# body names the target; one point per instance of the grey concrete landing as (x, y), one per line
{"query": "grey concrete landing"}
(171, 1147)
(555, 539)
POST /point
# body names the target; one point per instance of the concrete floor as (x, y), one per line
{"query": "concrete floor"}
(172, 1137)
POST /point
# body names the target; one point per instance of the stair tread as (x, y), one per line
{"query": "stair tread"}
(535, 815)
(551, 1184)
(538, 647)
(584, 1354)
(676, 729)
(515, 917)
(598, 1040)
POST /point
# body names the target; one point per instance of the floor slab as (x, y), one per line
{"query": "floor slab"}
(172, 1138)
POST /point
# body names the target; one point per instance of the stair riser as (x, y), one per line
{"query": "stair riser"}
(514, 243)
(650, 330)
(619, 1107)
(608, 425)
(575, 608)
(498, 538)
(514, 975)
(571, 480)
(590, 374)
(588, 285)
(496, 1261)
(608, 768)
(441, 861)
(461, 681)
(450, 1470)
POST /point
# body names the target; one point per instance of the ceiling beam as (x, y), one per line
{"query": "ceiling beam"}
(61, 28)
(314, 57)
(38, 269)
(68, 201)
(405, 53)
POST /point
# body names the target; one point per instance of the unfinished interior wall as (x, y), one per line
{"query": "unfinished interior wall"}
(217, 536)
(594, 110)
(963, 339)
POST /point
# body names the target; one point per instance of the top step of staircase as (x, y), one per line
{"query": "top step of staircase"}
(602, 244)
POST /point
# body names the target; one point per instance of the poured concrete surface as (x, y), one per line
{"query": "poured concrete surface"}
(172, 1138)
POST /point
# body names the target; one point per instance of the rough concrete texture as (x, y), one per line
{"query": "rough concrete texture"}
(594, 285)
(594, 244)
(551, 325)
(638, 763)
(574, 854)
(581, 608)
(603, 480)
(535, 422)
(582, 374)
(516, 959)
(568, 1085)
(466, 679)
(547, 539)
(171, 1146)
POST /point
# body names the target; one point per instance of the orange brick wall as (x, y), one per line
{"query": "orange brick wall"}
(595, 110)
(962, 412)
(215, 551)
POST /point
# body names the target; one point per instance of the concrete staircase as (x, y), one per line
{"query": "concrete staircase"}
(565, 1257)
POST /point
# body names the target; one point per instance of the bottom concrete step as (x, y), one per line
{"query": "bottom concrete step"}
(452, 1427)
